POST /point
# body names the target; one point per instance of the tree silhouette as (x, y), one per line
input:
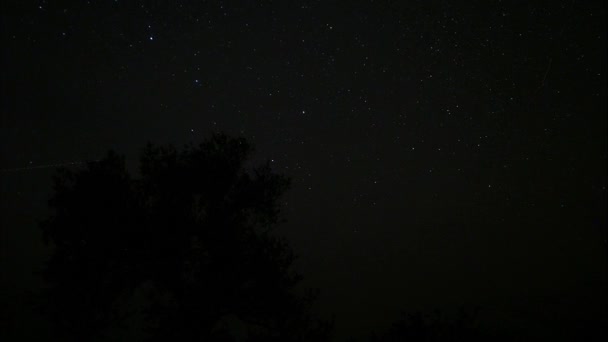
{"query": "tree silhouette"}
(185, 249)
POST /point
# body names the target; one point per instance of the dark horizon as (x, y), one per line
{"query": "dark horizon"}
(443, 155)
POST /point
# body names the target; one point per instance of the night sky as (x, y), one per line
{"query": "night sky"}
(444, 154)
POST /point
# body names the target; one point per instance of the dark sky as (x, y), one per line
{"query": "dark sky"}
(443, 153)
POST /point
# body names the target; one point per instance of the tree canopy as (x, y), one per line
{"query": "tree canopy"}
(186, 247)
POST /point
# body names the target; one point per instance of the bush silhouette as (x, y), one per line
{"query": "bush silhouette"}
(438, 327)
(184, 251)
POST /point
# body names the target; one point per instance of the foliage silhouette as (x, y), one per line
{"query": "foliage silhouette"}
(186, 249)
(438, 327)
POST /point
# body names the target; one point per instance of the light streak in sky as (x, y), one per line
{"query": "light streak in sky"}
(45, 166)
